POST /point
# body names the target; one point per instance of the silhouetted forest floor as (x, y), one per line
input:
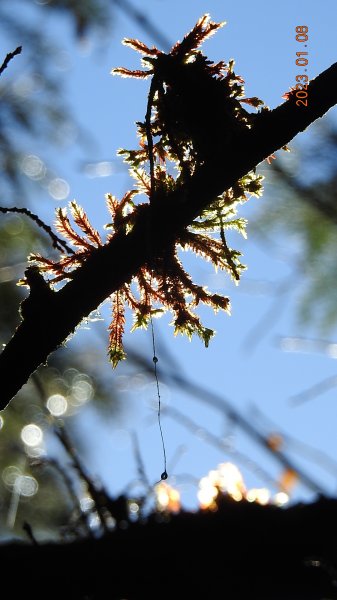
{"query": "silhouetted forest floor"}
(242, 550)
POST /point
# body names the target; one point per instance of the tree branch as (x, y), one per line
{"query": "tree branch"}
(9, 57)
(50, 318)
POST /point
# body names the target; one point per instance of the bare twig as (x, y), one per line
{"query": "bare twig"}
(225, 407)
(315, 390)
(323, 460)
(82, 517)
(222, 445)
(268, 319)
(57, 242)
(30, 533)
(149, 136)
(140, 464)
(93, 491)
(9, 57)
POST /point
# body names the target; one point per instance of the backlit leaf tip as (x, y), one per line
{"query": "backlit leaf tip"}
(84, 224)
(63, 226)
(202, 30)
(123, 72)
(116, 329)
(141, 47)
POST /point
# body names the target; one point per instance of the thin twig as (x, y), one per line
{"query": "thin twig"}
(227, 251)
(152, 92)
(225, 407)
(217, 442)
(57, 242)
(140, 464)
(30, 533)
(309, 452)
(9, 57)
(54, 464)
(82, 517)
(315, 390)
(92, 490)
(268, 319)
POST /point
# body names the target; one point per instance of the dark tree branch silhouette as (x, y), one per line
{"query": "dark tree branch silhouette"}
(49, 317)
(242, 550)
(57, 242)
(9, 57)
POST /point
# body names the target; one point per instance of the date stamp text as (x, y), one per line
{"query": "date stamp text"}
(302, 61)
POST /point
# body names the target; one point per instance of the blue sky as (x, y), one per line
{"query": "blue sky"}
(260, 36)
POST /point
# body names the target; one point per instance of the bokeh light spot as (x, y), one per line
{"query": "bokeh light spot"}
(82, 391)
(26, 485)
(35, 451)
(32, 435)
(168, 498)
(134, 508)
(100, 169)
(33, 167)
(14, 225)
(94, 520)
(57, 405)
(281, 498)
(10, 475)
(259, 495)
(87, 503)
(58, 188)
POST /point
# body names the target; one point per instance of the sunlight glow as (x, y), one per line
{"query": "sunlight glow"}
(231, 481)
(228, 479)
(168, 498)
(280, 499)
(207, 494)
(259, 495)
